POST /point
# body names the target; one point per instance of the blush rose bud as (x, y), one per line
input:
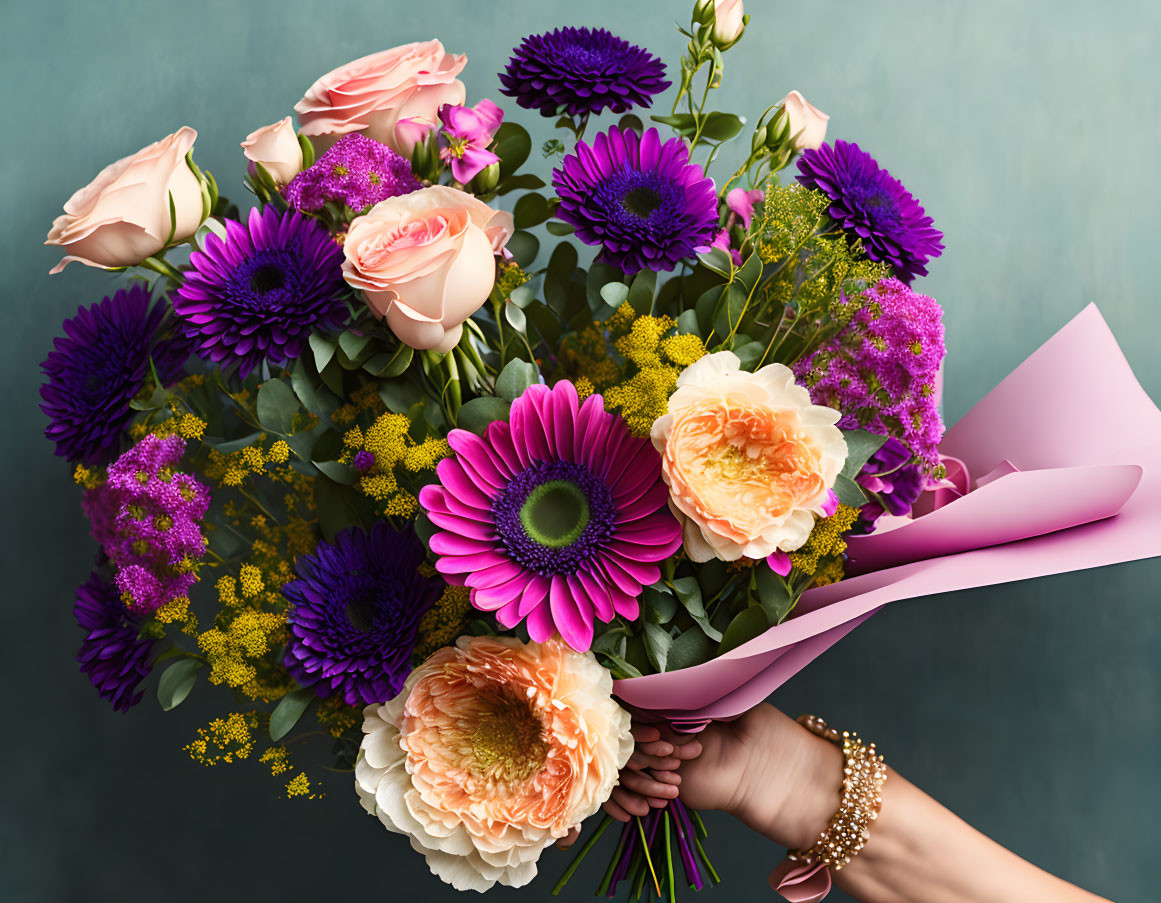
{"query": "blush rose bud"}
(807, 123)
(729, 23)
(277, 149)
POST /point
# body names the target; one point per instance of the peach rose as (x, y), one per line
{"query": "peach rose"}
(371, 94)
(807, 122)
(426, 261)
(276, 147)
(494, 750)
(748, 459)
(122, 216)
(729, 22)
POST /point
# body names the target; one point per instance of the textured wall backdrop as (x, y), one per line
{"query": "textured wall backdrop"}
(1030, 130)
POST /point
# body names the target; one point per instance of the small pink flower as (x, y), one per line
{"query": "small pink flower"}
(722, 242)
(742, 203)
(467, 132)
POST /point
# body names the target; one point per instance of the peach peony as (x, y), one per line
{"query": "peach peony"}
(123, 215)
(372, 94)
(426, 261)
(748, 459)
(494, 750)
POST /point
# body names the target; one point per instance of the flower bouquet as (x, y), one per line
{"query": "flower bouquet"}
(433, 503)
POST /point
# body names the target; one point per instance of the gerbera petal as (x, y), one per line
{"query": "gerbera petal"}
(570, 620)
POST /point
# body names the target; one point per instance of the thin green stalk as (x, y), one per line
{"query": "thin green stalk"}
(669, 859)
(608, 878)
(584, 851)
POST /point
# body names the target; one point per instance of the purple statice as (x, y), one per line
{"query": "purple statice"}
(643, 202)
(892, 480)
(873, 206)
(357, 171)
(260, 293)
(147, 518)
(354, 613)
(578, 71)
(880, 369)
(99, 365)
(113, 655)
(364, 460)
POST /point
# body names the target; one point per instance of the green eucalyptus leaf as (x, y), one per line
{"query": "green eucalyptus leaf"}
(517, 376)
(476, 414)
(352, 344)
(621, 669)
(226, 446)
(722, 126)
(689, 592)
(424, 528)
(514, 314)
(642, 290)
(630, 122)
(176, 682)
(523, 246)
(277, 406)
(657, 643)
(531, 210)
(559, 227)
(399, 395)
(717, 260)
(614, 294)
(525, 181)
(861, 444)
(289, 710)
(687, 322)
(338, 507)
(390, 365)
(773, 593)
(659, 604)
(749, 354)
(320, 403)
(512, 145)
(337, 471)
(693, 647)
(749, 623)
(849, 492)
(323, 348)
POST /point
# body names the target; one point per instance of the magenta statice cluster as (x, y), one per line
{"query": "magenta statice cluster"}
(357, 171)
(147, 517)
(880, 370)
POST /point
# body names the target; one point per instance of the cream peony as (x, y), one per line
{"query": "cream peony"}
(372, 94)
(748, 459)
(807, 122)
(493, 751)
(426, 261)
(123, 215)
(276, 147)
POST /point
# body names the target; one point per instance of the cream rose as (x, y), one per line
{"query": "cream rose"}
(494, 750)
(276, 147)
(748, 459)
(123, 215)
(807, 122)
(372, 94)
(426, 261)
(729, 22)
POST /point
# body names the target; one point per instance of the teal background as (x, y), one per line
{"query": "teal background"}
(1030, 130)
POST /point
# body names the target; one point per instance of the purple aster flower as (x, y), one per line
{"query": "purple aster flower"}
(260, 293)
(147, 518)
(577, 71)
(466, 134)
(642, 201)
(99, 365)
(880, 369)
(355, 610)
(871, 204)
(357, 171)
(556, 517)
(113, 655)
(892, 480)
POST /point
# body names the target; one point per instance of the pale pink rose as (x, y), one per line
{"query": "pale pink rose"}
(749, 461)
(729, 22)
(426, 261)
(372, 94)
(493, 751)
(276, 147)
(807, 122)
(122, 216)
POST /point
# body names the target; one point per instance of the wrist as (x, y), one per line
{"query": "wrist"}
(792, 784)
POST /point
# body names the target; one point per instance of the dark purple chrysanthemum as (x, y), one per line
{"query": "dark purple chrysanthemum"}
(893, 481)
(113, 655)
(355, 608)
(872, 204)
(357, 171)
(259, 293)
(96, 368)
(642, 201)
(581, 70)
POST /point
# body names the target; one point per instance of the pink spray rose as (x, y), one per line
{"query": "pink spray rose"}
(426, 261)
(372, 94)
(123, 215)
(276, 147)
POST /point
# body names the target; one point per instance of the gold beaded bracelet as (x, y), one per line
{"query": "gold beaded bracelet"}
(862, 796)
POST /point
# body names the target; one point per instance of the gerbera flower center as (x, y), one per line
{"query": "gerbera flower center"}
(361, 609)
(508, 744)
(267, 278)
(555, 513)
(641, 201)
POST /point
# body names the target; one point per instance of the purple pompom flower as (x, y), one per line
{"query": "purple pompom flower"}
(113, 655)
(357, 171)
(259, 294)
(355, 610)
(577, 71)
(871, 204)
(642, 201)
(556, 517)
(98, 366)
(466, 134)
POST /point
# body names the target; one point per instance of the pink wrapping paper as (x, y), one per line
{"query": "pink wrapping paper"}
(1064, 458)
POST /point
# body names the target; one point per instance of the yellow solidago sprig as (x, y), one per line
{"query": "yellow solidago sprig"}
(826, 544)
(225, 740)
(387, 461)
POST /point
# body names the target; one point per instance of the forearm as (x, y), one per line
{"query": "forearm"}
(918, 851)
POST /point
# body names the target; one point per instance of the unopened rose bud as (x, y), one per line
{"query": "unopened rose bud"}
(807, 122)
(729, 23)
